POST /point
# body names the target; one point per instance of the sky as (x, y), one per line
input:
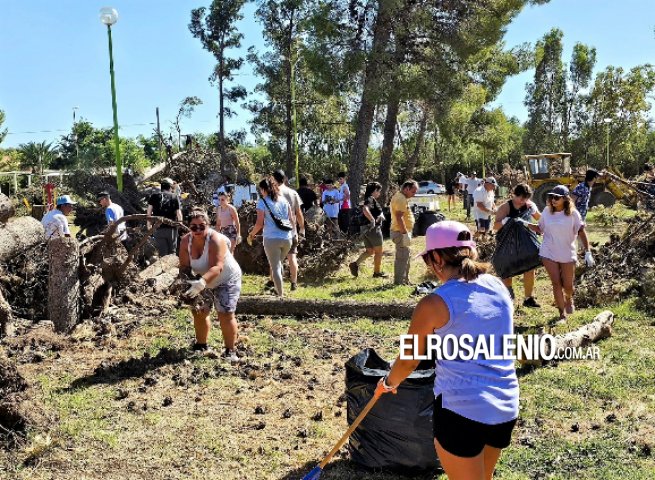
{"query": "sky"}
(54, 60)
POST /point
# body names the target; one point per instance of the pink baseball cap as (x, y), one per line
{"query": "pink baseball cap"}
(444, 235)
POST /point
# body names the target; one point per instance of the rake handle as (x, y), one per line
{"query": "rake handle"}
(352, 428)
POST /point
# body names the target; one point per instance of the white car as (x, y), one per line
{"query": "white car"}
(430, 187)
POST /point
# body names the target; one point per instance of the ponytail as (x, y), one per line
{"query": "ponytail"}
(464, 259)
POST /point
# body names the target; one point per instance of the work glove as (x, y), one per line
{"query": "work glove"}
(239, 239)
(195, 287)
(383, 388)
(406, 240)
(504, 221)
(381, 218)
(589, 259)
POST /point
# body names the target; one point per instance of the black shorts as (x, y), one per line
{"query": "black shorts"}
(463, 437)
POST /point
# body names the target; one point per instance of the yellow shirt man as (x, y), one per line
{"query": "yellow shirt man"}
(399, 203)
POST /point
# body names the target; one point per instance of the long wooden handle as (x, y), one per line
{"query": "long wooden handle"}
(352, 428)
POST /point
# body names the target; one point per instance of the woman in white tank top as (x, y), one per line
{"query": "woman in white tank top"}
(206, 252)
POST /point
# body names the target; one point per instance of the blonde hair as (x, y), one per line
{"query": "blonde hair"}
(464, 259)
(197, 212)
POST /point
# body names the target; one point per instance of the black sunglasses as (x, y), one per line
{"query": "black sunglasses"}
(196, 228)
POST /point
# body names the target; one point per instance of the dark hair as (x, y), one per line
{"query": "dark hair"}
(222, 193)
(568, 205)
(328, 181)
(103, 194)
(279, 176)
(165, 186)
(303, 182)
(409, 184)
(341, 175)
(523, 190)
(464, 259)
(590, 175)
(372, 187)
(270, 188)
(647, 167)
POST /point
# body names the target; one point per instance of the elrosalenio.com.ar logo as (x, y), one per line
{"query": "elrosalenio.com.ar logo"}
(505, 347)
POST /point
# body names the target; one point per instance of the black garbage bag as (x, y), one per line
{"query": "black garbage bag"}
(396, 434)
(517, 250)
(425, 220)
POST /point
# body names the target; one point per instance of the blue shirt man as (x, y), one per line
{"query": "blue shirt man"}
(582, 192)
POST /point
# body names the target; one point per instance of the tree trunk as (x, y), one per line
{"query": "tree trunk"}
(372, 81)
(221, 120)
(386, 155)
(161, 274)
(6, 208)
(289, 164)
(412, 161)
(597, 330)
(260, 305)
(63, 283)
(18, 234)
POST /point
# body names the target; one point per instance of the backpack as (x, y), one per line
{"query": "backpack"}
(357, 220)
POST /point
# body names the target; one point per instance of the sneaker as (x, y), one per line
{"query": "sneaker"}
(231, 355)
(294, 286)
(530, 302)
(570, 308)
(380, 275)
(199, 347)
(270, 284)
(354, 269)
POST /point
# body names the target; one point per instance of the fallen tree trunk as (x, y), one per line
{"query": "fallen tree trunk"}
(261, 305)
(161, 274)
(6, 208)
(18, 234)
(600, 328)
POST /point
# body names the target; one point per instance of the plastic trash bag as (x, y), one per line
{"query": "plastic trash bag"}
(517, 250)
(425, 220)
(397, 433)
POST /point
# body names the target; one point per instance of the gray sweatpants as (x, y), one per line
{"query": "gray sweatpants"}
(166, 240)
(276, 251)
(401, 262)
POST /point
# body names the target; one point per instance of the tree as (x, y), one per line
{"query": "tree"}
(187, 106)
(36, 154)
(216, 30)
(3, 133)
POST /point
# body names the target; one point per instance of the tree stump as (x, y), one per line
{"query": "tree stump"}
(63, 283)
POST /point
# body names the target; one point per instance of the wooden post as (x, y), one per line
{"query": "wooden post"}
(63, 283)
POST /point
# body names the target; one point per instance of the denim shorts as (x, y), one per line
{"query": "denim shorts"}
(225, 298)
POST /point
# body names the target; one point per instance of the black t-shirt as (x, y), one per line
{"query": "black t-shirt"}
(373, 206)
(308, 197)
(164, 204)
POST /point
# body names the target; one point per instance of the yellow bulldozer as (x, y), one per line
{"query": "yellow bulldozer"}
(547, 170)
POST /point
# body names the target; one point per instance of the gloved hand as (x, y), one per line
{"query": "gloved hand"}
(249, 240)
(406, 240)
(383, 388)
(195, 287)
(239, 239)
(589, 259)
(504, 221)
(381, 218)
(522, 221)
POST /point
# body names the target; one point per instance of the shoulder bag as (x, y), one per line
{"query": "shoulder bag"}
(281, 223)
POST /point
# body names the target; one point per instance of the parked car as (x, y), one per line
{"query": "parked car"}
(430, 187)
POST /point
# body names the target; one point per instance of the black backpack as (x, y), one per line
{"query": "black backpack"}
(357, 221)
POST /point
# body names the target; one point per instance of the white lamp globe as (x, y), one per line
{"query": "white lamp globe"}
(108, 15)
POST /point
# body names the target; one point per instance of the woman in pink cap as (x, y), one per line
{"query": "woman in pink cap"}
(476, 398)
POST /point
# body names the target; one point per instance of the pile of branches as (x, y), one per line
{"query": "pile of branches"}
(198, 173)
(486, 247)
(318, 255)
(622, 266)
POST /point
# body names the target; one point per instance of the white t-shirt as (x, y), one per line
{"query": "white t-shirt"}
(463, 180)
(113, 213)
(343, 190)
(480, 194)
(331, 209)
(55, 224)
(472, 184)
(560, 233)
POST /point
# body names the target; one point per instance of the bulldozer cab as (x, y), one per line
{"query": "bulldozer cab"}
(548, 165)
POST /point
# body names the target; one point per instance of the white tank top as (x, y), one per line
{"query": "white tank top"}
(231, 271)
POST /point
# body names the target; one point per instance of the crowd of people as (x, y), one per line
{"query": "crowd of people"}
(476, 401)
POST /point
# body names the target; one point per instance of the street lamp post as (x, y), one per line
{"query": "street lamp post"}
(607, 122)
(109, 16)
(77, 148)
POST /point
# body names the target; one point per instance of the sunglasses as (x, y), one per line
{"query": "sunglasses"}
(555, 197)
(196, 228)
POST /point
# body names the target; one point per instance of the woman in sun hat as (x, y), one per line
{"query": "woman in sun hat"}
(476, 400)
(561, 225)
